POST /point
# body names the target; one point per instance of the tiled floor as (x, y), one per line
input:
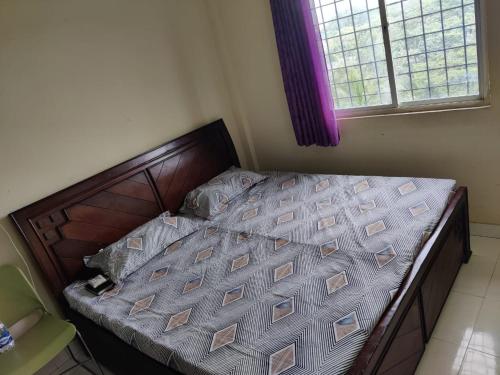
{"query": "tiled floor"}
(466, 339)
(63, 362)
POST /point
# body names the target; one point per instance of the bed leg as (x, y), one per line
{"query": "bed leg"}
(96, 364)
(466, 230)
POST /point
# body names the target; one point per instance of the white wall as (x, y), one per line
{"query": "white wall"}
(87, 84)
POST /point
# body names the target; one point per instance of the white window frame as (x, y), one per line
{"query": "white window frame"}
(430, 105)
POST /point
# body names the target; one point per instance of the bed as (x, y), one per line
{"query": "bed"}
(77, 221)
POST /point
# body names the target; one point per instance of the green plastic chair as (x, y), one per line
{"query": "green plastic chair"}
(41, 343)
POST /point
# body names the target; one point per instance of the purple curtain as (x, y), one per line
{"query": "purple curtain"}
(304, 73)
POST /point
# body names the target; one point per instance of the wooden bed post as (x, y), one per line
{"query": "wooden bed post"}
(465, 213)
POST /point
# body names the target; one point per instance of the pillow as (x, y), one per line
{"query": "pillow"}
(212, 198)
(131, 252)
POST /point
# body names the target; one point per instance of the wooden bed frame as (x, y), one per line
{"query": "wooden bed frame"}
(91, 214)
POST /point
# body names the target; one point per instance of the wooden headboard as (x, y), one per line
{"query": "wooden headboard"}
(91, 214)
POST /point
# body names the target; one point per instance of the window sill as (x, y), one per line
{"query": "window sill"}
(413, 109)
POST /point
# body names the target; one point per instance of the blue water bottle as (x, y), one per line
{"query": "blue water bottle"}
(6, 340)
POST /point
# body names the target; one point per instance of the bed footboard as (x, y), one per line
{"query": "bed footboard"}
(398, 342)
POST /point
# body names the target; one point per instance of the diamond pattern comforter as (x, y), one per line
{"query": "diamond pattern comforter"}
(291, 279)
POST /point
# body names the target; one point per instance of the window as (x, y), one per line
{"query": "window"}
(405, 53)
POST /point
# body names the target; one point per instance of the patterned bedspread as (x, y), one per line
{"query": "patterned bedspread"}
(290, 280)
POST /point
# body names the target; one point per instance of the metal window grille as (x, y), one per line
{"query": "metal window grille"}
(391, 53)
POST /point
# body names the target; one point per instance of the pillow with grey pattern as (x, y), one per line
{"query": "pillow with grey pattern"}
(213, 197)
(131, 252)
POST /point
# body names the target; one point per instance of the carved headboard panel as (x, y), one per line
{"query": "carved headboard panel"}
(91, 214)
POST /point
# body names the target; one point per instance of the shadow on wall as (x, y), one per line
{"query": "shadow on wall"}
(13, 250)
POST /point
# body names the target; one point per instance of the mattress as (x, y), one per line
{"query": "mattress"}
(291, 279)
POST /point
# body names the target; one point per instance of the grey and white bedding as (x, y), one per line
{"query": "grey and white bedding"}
(290, 279)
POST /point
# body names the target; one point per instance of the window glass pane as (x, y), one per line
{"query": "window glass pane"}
(382, 69)
(403, 82)
(359, 6)
(372, 100)
(334, 45)
(439, 92)
(355, 54)
(329, 13)
(369, 70)
(343, 8)
(385, 88)
(343, 103)
(433, 22)
(398, 30)
(434, 41)
(375, 17)
(452, 18)
(415, 45)
(436, 60)
(398, 48)
(337, 60)
(446, 4)
(455, 56)
(434, 49)
(361, 21)
(340, 75)
(348, 41)
(437, 77)
(364, 38)
(411, 9)
(414, 27)
(401, 66)
(343, 90)
(420, 94)
(386, 97)
(470, 35)
(395, 12)
(419, 80)
(346, 26)
(418, 63)
(471, 53)
(372, 4)
(366, 55)
(351, 58)
(405, 96)
(430, 6)
(331, 29)
(453, 38)
(472, 73)
(469, 15)
(371, 87)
